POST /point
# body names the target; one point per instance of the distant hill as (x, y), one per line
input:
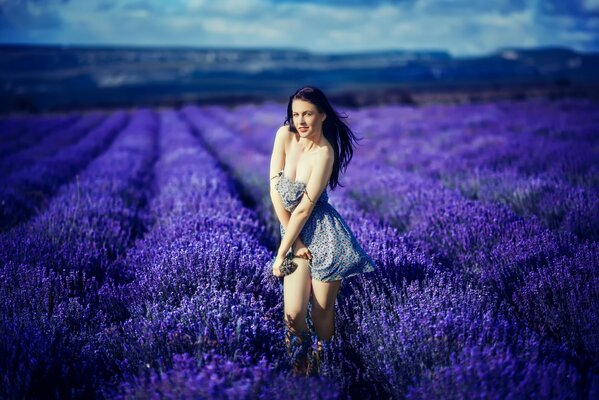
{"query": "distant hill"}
(47, 78)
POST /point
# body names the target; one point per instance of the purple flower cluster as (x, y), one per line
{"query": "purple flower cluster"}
(496, 371)
(228, 144)
(216, 377)
(93, 219)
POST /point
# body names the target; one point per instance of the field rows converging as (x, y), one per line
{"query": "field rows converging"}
(28, 189)
(52, 265)
(21, 132)
(552, 179)
(246, 160)
(463, 242)
(135, 247)
(50, 144)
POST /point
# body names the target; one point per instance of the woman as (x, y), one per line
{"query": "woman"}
(309, 151)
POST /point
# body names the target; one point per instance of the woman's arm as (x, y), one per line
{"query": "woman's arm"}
(319, 178)
(277, 163)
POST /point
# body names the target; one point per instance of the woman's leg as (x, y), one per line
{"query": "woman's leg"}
(323, 316)
(296, 294)
(323, 307)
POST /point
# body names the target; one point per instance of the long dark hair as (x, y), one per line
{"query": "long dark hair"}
(334, 129)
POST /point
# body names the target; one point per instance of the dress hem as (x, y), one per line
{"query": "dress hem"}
(343, 277)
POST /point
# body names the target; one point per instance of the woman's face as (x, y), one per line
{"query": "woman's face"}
(306, 117)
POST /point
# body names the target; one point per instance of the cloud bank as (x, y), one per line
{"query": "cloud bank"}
(461, 27)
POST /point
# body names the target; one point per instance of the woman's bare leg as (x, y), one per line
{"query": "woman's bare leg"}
(323, 307)
(296, 295)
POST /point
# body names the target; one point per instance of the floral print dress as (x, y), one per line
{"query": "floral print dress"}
(336, 254)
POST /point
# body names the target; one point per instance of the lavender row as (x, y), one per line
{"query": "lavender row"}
(512, 256)
(22, 132)
(403, 340)
(557, 205)
(488, 156)
(435, 138)
(47, 319)
(421, 242)
(25, 191)
(491, 246)
(569, 304)
(462, 153)
(54, 265)
(92, 219)
(198, 290)
(49, 145)
(404, 337)
(564, 119)
(217, 377)
(552, 179)
(227, 144)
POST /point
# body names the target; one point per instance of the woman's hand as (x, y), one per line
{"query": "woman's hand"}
(275, 266)
(301, 250)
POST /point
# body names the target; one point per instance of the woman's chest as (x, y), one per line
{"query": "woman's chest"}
(298, 166)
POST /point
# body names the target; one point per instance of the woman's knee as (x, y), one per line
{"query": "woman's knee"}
(295, 317)
(324, 325)
(323, 306)
(323, 314)
(297, 289)
(293, 313)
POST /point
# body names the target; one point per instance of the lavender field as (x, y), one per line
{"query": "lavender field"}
(134, 248)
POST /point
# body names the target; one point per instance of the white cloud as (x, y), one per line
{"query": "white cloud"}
(591, 5)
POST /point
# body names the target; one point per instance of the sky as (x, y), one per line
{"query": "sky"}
(460, 27)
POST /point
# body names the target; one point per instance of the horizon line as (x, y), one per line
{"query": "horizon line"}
(284, 49)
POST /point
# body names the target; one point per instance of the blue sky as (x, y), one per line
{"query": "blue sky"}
(463, 28)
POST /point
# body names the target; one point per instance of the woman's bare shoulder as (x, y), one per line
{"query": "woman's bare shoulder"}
(283, 130)
(325, 156)
(326, 151)
(284, 134)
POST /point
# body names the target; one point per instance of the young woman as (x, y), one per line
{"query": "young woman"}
(309, 151)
